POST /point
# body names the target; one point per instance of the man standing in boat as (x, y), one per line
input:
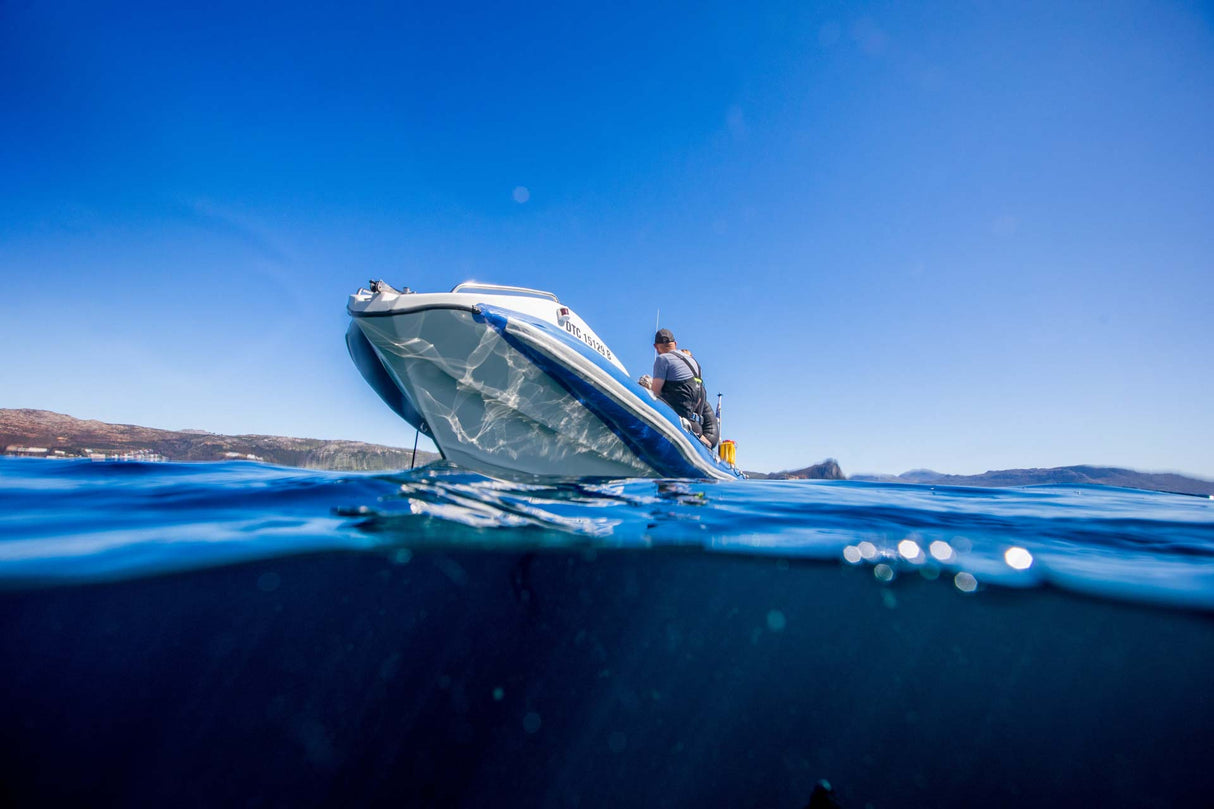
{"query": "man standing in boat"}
(677, 381)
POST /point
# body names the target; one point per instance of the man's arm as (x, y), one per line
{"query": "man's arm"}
(660, 364)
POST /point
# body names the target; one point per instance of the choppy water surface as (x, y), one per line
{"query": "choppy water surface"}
(238, 634)
(80, 521)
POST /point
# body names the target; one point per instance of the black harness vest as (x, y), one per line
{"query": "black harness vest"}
(685, 396)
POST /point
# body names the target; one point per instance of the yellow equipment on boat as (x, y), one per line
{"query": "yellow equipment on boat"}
(729, 452)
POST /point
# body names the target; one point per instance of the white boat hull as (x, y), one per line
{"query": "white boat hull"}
(506, 391)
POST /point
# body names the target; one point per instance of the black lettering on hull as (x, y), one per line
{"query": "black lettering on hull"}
(576, 331)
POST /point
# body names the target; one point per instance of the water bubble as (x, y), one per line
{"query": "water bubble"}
(941, 550)
(498, 694)
(1018, 558)
(402, 556)
(852, 554)
(909, 550)
(965, 582)
(521, 194)
(884, 572)
(776, 621)
(867, 550)
(531, 722)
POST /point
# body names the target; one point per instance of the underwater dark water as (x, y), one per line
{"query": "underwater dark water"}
(234, 634)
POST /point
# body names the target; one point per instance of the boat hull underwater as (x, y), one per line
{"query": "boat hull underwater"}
(508, 381)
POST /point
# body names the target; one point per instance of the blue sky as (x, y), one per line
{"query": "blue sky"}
(960, 236)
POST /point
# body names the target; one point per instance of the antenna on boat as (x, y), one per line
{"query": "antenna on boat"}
(719, 430)
(727, 450)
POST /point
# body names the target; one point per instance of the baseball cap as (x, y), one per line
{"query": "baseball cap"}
(663, 336)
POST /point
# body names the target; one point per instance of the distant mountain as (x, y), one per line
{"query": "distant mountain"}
(46, 434)
(827, 470)
(1095, 475)
(918, 476)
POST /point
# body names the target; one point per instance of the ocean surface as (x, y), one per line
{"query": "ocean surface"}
(244, 635)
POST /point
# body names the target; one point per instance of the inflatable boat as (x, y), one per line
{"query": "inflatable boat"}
(509, 381)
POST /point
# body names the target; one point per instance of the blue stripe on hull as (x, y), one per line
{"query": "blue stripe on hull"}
(637, 433)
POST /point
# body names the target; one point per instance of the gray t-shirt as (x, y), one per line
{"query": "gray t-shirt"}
(667, 366)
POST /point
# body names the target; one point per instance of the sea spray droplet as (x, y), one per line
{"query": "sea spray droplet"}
(531, 722)
(776, 621)
(965, 582)
(883, 572)
(909, 550)
(1018, 558)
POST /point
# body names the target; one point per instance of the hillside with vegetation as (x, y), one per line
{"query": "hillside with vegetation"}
(42, 433)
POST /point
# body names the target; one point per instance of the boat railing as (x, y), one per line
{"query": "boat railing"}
(467, 285)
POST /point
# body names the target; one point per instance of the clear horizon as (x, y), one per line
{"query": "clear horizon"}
(955, 237)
